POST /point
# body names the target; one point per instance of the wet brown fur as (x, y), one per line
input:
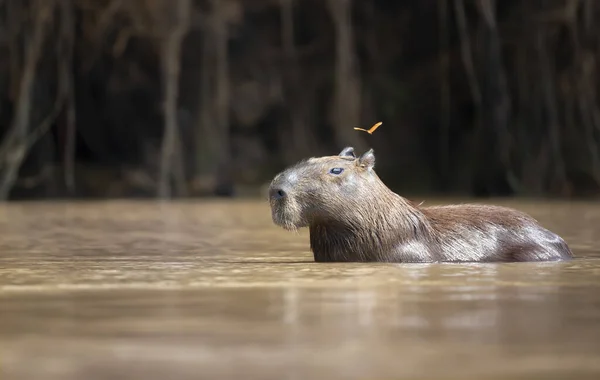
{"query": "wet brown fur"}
(354, 216)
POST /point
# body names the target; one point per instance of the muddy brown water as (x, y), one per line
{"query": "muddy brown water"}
(211, 289)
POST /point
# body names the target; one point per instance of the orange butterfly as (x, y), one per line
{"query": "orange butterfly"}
(371, 130)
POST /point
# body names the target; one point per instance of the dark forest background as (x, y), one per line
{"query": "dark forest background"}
(169, 98)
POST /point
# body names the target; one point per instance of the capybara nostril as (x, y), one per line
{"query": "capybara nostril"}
(277, 193)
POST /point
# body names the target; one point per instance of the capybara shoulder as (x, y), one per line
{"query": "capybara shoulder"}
(353, 216)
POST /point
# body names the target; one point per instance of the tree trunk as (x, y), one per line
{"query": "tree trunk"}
(347, 98)
(66, 66)
(14, 147)
(213, 155)
(495, 106)
(170, 56)
(445, 92)
(206, 153)
(557, 171)
(298, 144)
(222, 92)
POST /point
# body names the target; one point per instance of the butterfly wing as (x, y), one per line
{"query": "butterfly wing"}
(373, 128)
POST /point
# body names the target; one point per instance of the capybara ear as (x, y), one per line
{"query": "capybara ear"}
(367, 160)
(347, 152)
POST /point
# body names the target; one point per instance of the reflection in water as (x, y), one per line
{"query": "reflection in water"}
(213, 289)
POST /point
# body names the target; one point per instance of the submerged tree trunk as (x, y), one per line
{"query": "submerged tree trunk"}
(347, 98)
(170, 59)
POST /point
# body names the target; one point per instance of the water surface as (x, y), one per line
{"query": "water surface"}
(211, 289)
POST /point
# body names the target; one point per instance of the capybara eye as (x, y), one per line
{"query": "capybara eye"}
(336, 171)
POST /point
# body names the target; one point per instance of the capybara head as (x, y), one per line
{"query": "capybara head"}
(322, 189)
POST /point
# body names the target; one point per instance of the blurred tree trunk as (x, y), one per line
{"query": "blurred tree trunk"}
(206, 152)
(67, 42)
(555, 172)
(347, 98)
(15, 12)
(445, 93)
(584, 73)
(213, 156)
(171, 61)
(13, 149)
(495, 142)
(222, 91)
(296, 144)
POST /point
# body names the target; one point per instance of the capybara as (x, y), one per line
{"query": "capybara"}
(353, 216)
